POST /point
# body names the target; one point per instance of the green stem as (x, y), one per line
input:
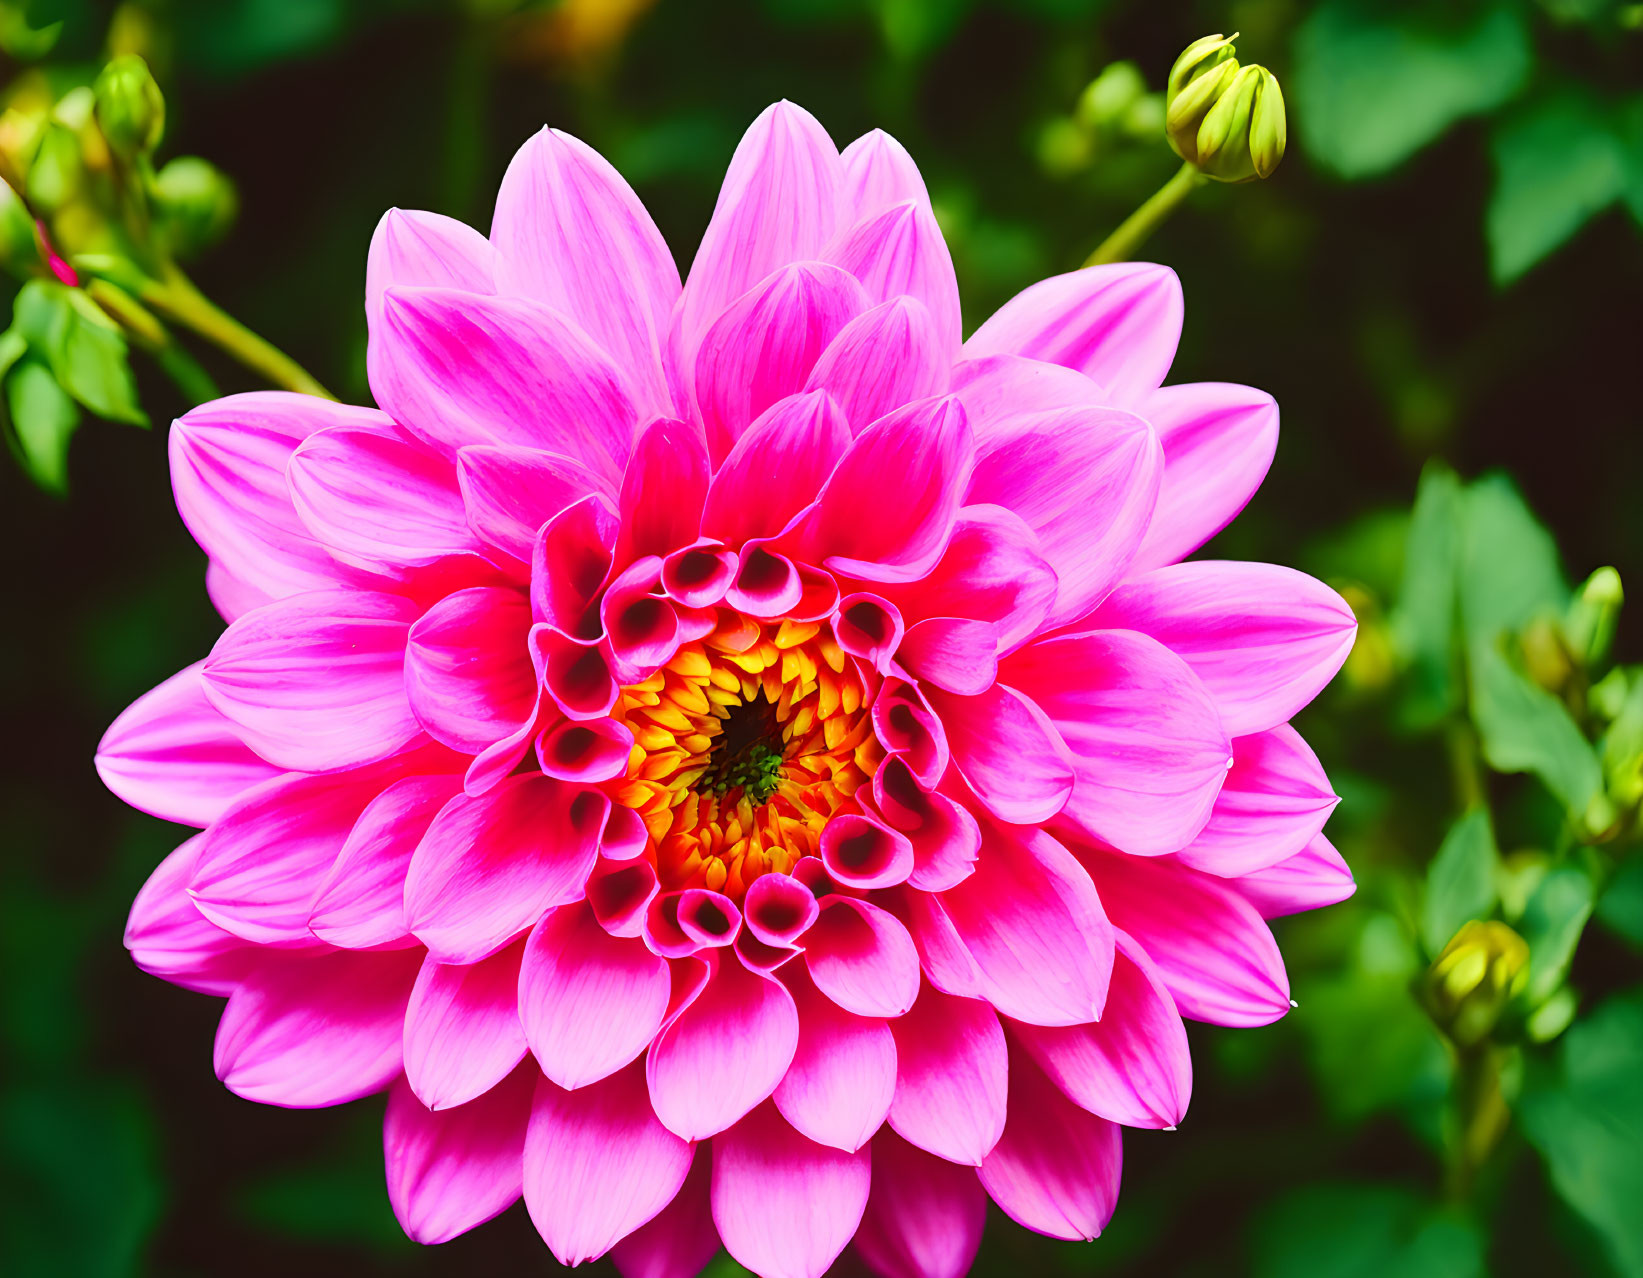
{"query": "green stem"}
(1122, 243)
(176, 298)
(1480, 1118)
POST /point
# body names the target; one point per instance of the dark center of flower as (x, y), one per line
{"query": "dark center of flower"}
(747, 754)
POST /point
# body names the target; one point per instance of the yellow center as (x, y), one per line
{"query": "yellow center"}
(745, 744)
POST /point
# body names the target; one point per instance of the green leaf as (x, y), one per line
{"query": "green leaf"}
(85, 349)
(43, 421)
(1363, 1231)
(1524, 728)
(1552, 923)
(1423, 625)
(1509, 570)
(1460, 884)
(1558, 163)
(1374, 83)
(1621, 905)
(1586, 1119)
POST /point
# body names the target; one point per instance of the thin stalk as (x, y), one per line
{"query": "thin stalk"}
(1133, 231)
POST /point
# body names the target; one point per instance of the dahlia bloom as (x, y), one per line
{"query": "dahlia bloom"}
(735, 763)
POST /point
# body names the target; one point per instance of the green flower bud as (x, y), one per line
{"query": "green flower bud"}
(1107, 98)
(130, 106)
(1592, 616)
(1225, 119)
(57, 173)
(1480, 971)
(196, 201)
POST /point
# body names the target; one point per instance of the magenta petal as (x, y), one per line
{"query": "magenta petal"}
(663, 492)
(1218, 443)
(1264, 639)
(1314, 877)
(306, 1031)
(776, 469)
(679, 1240)
(785, 1206)
(899, 252)
(878, 172)
(881, 360)
(1118, 324)
(172, 754)
(996, 388)
(360, 903)
(570, 562)
(510, 491)
(571, 233)
(168, 936)
(1086, 481)
(1056, 1168)
(954, 653)
(586, 752)
(490, 865)
(452, 1170)
(468, 670)
(462, 1031)
(591, 1002)
(411, 247)
(1211, 949)
(861, 957)
(888, 509)
(1133, 1065)
(598, 1164)
(1275, 800)
(951, 1077)
(1008, 752)
(724, 1053)
(228, 462)
(1147, 744)
(925, 1215)
(838, 1088)
(1032, 923)
(317, 682)
(459, 369)
(945, 837)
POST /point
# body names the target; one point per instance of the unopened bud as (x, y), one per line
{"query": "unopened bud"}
(196, 201)
(1107, 99)
(1480, 971)
(130, 106)
(1593, 615)
(1225, 119)
(55, 176)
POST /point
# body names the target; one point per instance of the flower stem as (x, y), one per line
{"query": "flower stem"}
(178, 299)
(1134, 229)
(1479, 1118)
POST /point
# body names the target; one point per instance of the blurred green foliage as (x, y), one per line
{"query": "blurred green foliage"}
(1460, 1090)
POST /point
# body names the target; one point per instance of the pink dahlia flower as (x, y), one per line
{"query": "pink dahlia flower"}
(735, 763)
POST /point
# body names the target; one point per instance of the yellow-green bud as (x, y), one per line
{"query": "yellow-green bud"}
(1591, 622)
(1225, 119)
(130, 106)
(1107, 98)
(196, 201)
(1480, 971)
(55, 176)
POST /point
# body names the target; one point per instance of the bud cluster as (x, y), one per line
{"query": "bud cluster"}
(1224, 119)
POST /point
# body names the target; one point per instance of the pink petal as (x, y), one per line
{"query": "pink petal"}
(776, 469)
(306, 1031)
(459, 369)
(837, 1091)
(489, 866)
(945, 837)
(862, 853)
(1008, 752)
(1118, 324)
(452, 1170)
(228, 462)
(663, 491)
(317, 682)
(698, 575)
(1085, 480)
(899, 252)
(910, 731)
(861, 957)
(881, 360)
(1264, 639)
(878, 172)
(590, 1001)
(379, 499)
(779, 204)
(620, 893)
(763, 348)
(951, 1077)
(724, 1053)
(1314, 877)
(1218, 442)
(570, 562)
(360, 903)
(867, 627)
(995, 388)
(172, 754)
(1032, 923)
(1275, 801)
(679, 1240)
(585, 752)
(510, 491)
(953, 653)
(785, 1206)
(468, 672)
(924, 1217)
(571, 233)
(1210, 947)
(1147, 744)
(888, 509)
(462, 1031)
(598, 1165)
(1133, 1065)
(412, 248)
(1056, 1168)
(168, 936)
